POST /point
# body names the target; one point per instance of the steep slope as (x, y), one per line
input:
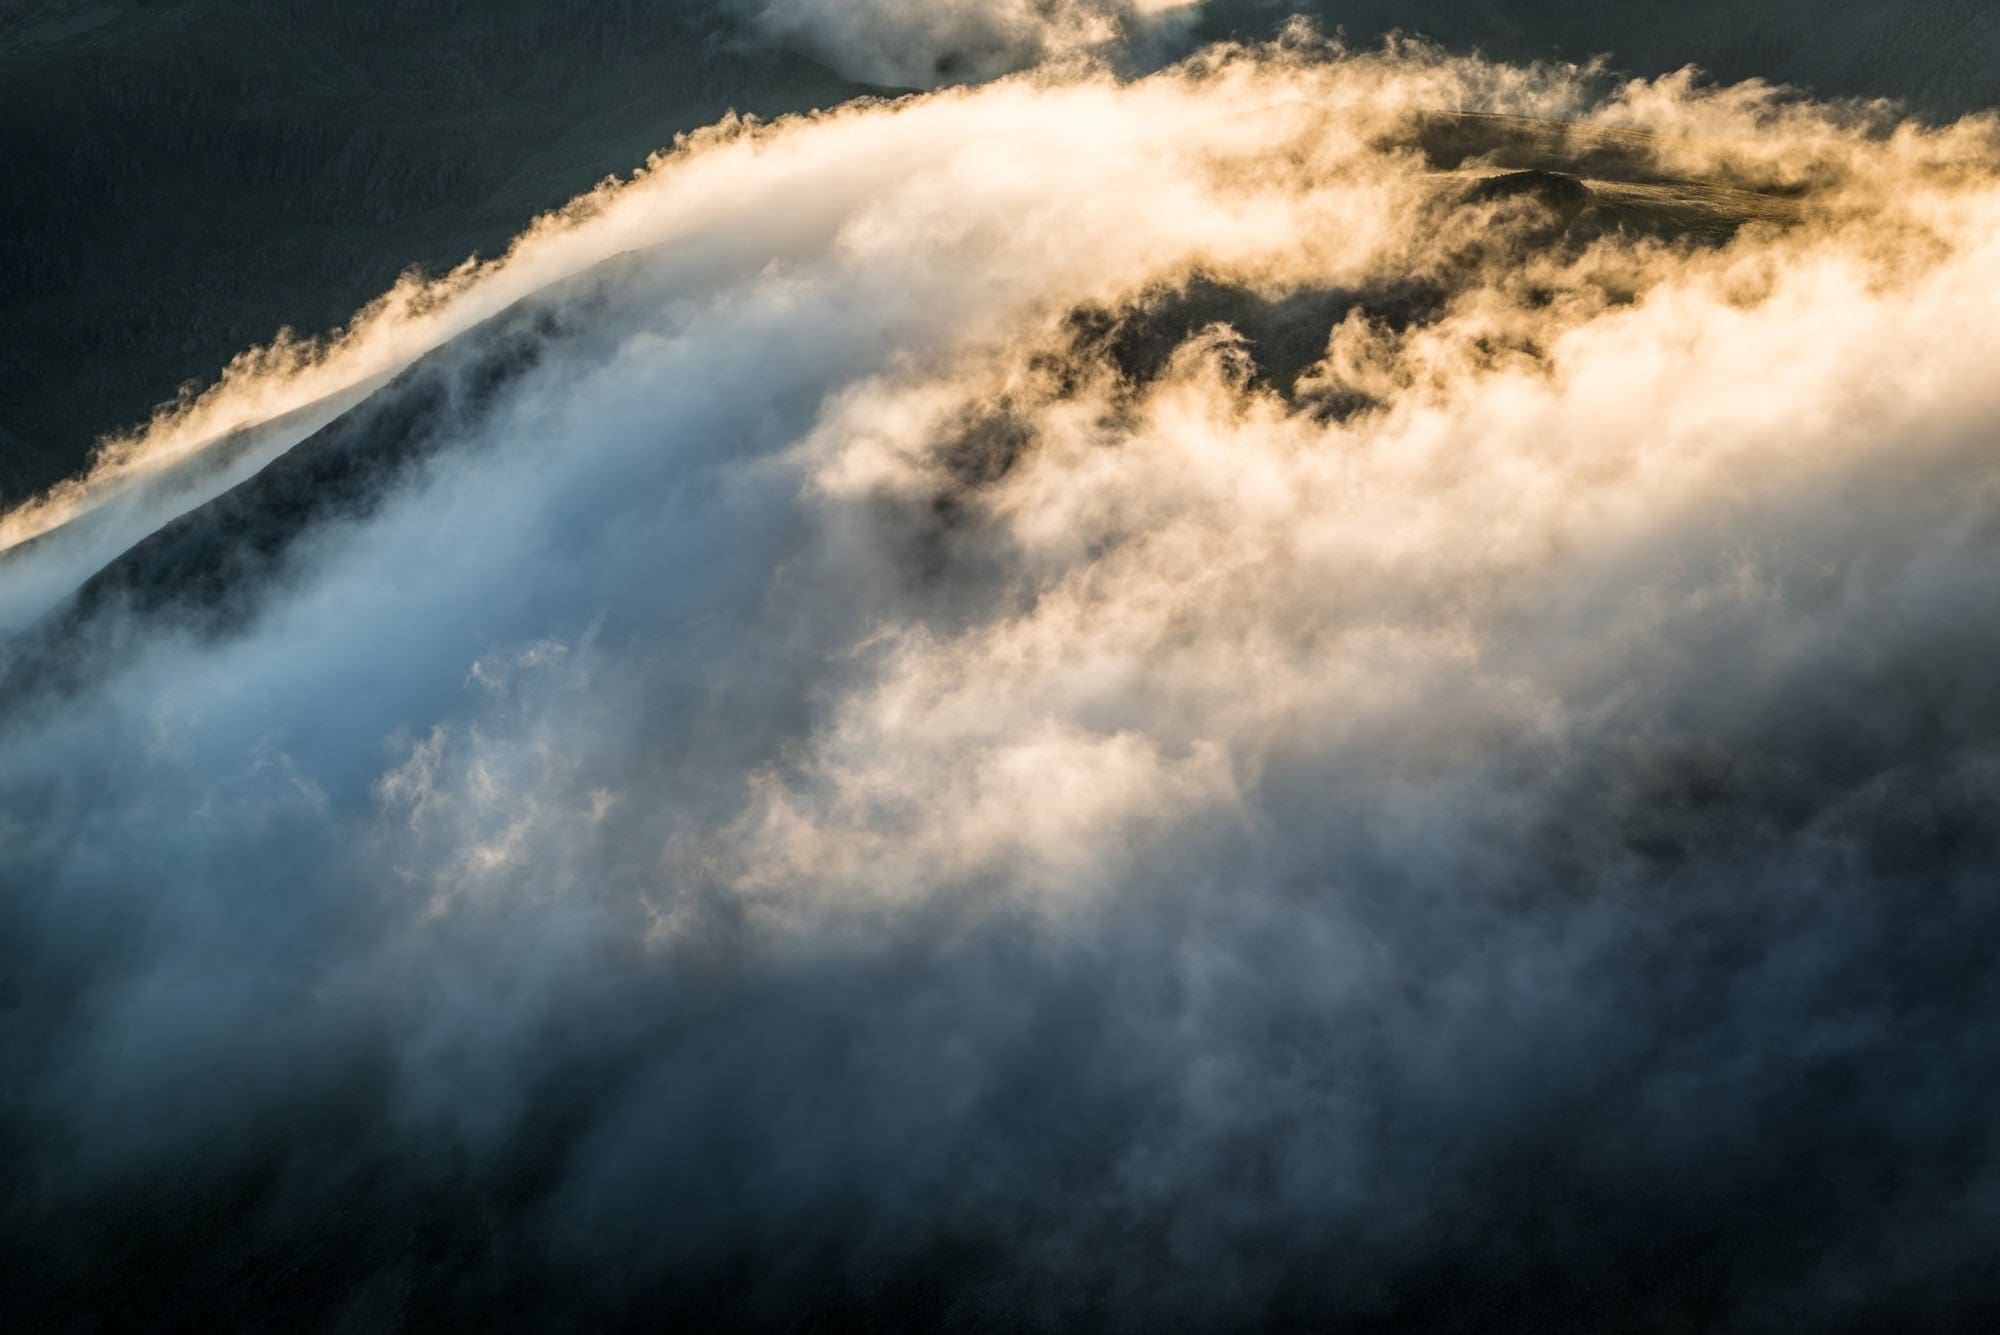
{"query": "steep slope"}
(1942, 57)
(207, 566)
(184, 177)
(187, 176)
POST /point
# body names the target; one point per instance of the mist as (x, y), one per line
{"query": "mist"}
(1322, 688)
(909, 44)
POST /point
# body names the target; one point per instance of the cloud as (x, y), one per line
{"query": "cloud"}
(1080, 701)
(912, 44)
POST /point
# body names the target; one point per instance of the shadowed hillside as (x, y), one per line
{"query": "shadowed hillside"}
(1942, 57)
(212, 566)
(183, 177)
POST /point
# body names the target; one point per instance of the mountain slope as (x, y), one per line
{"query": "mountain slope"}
(1942, 57)
(186, 176)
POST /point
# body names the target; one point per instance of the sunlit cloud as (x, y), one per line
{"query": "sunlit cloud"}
(1221, 686)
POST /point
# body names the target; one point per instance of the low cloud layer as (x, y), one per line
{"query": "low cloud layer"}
(1283, 694)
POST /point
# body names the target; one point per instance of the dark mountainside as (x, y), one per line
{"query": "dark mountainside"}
(209, 568)
(1941, 57)
(184, 177)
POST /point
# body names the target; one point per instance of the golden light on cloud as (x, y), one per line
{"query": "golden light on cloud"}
(1227, 646)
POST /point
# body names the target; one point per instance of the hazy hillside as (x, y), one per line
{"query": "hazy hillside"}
(212, 565)
(1940, 56)
(185, 176)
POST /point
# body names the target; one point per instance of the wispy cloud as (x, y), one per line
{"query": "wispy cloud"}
(1073, 696)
